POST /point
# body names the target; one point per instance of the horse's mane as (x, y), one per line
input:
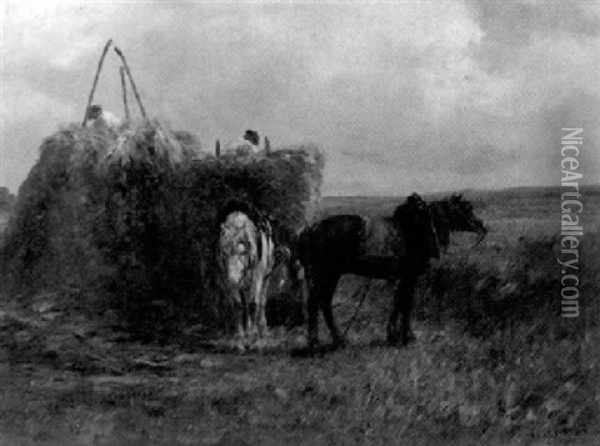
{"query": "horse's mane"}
(442, 203)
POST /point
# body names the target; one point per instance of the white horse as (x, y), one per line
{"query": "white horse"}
(245, 258)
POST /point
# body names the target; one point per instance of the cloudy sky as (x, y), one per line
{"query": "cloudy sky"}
(401, 96)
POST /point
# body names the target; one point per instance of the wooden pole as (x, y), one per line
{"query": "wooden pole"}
(135, 90)
(91, 96)
(124, 90)
(218, 148)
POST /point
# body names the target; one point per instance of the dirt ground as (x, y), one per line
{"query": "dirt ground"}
(67, 380)
(70, 381)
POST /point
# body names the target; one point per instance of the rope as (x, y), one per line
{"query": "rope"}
(362, 300)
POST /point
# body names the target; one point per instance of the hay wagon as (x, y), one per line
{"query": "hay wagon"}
(130, 215)
(126, 214)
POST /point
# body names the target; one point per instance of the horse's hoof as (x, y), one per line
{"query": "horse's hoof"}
(407, 338)
(306, 352)
(397, 341)
(392, 338)
(301, 352)
(313, 343)
(378, 343)
(260, 344)
(392, 334)
(317, 349)
(313, 349)
(239, 346)
(339, 343)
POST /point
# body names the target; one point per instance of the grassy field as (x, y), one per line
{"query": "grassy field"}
(493, 363)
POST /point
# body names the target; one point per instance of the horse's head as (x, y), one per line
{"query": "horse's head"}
(414, 218)
(462, 218)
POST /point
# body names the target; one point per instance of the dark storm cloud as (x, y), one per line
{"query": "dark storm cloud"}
(517, 22)
(510, 28)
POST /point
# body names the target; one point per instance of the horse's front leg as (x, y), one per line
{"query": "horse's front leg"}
(313, 317)
(262, 306)
(321, 292)
(239, 317)
(391, 328)
(403, 302)
(328, 290)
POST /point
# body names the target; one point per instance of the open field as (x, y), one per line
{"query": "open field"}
(494, 363)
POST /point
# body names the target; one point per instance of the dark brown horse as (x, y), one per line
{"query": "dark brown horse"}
(397, 248)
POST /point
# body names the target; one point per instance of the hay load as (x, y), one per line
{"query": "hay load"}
(128, 216)
(124, 216)
(284, 184)
(71, 191)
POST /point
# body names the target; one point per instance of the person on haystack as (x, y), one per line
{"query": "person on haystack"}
(99, 118)
(249, 144)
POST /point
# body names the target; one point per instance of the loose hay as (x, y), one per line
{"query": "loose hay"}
(130, 217)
